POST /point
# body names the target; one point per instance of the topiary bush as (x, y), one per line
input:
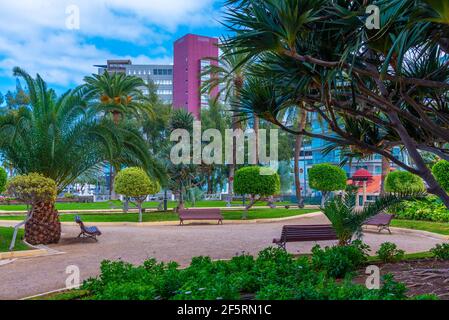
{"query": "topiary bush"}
(32, 188)
(441, 172)
(136, 184)
(250, 181)
(39, 192)
(388, 252)
(3, 180)
(403, 182)
(327, 178)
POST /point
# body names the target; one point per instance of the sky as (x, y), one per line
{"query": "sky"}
(46, 36)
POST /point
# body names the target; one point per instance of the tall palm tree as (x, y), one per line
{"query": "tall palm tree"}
(119, 95)
(228, 75)
(61, 138)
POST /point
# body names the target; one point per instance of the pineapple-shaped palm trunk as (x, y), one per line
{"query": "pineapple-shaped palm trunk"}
(44, 226)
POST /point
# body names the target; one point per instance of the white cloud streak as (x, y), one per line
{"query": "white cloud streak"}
(34, 36)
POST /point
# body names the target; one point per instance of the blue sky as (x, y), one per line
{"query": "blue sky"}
(34, 34)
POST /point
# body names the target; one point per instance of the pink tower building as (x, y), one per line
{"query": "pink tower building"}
(190, 57)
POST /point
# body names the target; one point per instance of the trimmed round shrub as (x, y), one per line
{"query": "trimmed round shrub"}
(249, 180)
(441, 172)
(135, 183)
(32, 188)
(3, 179)
(403, 181)
(327, 178)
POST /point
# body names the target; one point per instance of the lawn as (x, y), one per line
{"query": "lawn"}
(116, 204)
(436, 227)
(170, 216)
(6, 236)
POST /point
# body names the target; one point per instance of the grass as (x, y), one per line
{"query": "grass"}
(117, 204)
(6, 236)
(435, 227)
(170, 216)
(75, 294)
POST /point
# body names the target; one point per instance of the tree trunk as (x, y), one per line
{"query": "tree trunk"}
(298, 146)
(116, 117)
(256, 132)
(139, 206)
(44, 226)
(238, 84)
(424, 172)
(324, 195)
(385, 171)
(112, 193)
(126, 205)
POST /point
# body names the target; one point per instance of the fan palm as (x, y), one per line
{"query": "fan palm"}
(61, 137)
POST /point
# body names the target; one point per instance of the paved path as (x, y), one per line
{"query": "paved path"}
(30, 276)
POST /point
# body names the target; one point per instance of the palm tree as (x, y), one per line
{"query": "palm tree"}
(347, 220)
(119, 95)
(228, 75)
(62, 137)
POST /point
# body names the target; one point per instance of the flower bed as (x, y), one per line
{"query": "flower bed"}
(273, 274)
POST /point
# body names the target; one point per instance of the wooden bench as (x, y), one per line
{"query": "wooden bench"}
(381, 221)
(299, 233)
(87, 232)
(200, 214)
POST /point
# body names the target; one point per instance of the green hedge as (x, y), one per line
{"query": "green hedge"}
(273, 274)
(429, 209)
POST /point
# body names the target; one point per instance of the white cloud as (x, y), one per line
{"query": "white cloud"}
(34, 36)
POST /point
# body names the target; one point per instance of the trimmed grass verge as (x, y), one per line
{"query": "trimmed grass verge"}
(435, 227)
(170, 216)
(116, 204)
(5, 239)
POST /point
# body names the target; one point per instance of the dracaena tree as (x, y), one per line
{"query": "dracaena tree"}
(318, 55)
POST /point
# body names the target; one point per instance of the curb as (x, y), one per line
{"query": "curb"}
(176, 222)
(133, 210)
(22, 254)
(421, 232)
(36, 251)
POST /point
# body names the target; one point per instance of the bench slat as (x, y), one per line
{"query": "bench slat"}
(200, 214)
(296, 233)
